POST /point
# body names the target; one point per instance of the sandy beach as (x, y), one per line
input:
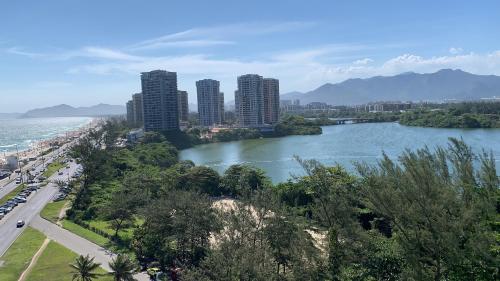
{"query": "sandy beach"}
(39, 147)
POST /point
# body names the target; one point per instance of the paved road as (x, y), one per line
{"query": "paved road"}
(77, 244)
(27, 211)
(7, 185)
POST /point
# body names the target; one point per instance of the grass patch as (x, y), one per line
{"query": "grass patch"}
(85, 233)
(53, 265)
(52, 168)
(51, 211)
(124, 234)
(12, 194)
(18, 256)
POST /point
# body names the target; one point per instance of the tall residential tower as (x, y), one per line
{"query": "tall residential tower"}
(138, 114)
(160, 102)
(209, 100)
(271, 100)
(183, 105)
(249, 100)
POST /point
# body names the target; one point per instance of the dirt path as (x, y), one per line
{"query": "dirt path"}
(34, 260)
(62, 213)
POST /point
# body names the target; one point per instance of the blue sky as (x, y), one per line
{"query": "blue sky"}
(86, 52)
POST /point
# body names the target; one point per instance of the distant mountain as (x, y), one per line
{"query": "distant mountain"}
(64, 110)
(409, 86)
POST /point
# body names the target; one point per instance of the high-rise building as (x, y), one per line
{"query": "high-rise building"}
(271, 100)
(249, 100)
(160, 102)
(208, 92)
(183, 105)
(130, 112)
(221, 108)
(138, 112)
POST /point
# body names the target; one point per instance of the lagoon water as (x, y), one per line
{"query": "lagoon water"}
(343, 144)
(25, 132)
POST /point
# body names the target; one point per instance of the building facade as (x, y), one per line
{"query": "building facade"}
(138, 109)
(222, 111)
(249, 100)
(208, 93)
(130, 112)
(183, 106)
(271, 100)
(160, 101)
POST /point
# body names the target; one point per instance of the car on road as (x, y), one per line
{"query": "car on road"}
(18, 180)
(20, 223)
(60, 173)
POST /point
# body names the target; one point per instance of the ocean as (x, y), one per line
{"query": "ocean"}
(26, 132)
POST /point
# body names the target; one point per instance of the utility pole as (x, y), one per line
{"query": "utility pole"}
(19, 164)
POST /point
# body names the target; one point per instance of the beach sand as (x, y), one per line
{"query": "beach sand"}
(39, 147)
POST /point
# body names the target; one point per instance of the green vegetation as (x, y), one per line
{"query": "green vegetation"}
(462, 115)
(297, 125)
(86, 233)
(12, 194)
(54, 265)
(18, 256)
(52, 168)
(123, 268)
(431, 215)
(236, 134)
(51, 211)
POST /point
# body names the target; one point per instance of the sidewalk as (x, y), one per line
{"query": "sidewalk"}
(78, 244)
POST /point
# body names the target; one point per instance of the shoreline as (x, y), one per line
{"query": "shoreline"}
(39, 147)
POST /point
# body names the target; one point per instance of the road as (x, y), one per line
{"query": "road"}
(30, 213)
(78, 244)
(7, 185)
(29, 210)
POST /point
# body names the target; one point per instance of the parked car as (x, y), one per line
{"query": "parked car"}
(60, 173)
(18, 180)
(20, 199)
(20, 223)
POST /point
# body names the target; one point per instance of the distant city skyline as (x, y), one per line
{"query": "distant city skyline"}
(83, 53)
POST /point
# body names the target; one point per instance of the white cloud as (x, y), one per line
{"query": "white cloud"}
(301, 70)
(455, 51)
(85, 52)
(364, 61)
(216, 35)
(19, 51)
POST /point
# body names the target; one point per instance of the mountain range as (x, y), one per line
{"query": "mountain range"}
(64, 110)
(442, 85)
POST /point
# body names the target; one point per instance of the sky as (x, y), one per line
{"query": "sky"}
(87, 52)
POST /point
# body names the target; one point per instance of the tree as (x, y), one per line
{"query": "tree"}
(122, 268)
(437, 205)
(335, 206)
(84, 269)
(201, 179)
(120, 210)
(242, 180)
(176, 230)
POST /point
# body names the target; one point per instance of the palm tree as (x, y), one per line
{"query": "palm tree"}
(122, 268)
(84, 269)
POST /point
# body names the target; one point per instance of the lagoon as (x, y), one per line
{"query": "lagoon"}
(342, 144)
